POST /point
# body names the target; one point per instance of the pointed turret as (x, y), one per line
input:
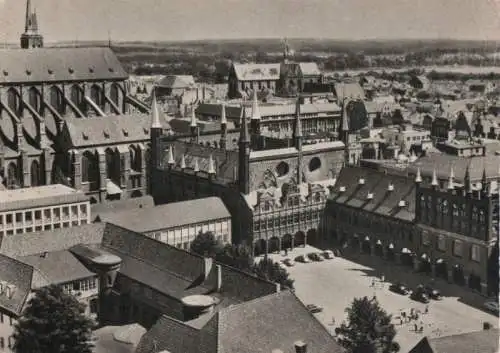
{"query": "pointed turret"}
(418, 178)
(211, 167)
(196, 166)
(451, 185)
(484, 181)
(255, 106)
(194, 126)
(223, 127)
(171, 160)
(244, 155)
(183, 162)
(434, 182)
(244, 135)
(467, 182)
(155, 113)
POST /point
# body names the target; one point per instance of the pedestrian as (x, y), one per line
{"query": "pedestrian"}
(427, 309)
(286, 252)
(333, 321)
(401, 321)
(416, 328)
(412, 311)
(382, 277)
(373, 283)
(416, 316)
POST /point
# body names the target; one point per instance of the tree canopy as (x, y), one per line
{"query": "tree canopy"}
(368, 328)
(53, 322)
(272, 271)
(206, 244)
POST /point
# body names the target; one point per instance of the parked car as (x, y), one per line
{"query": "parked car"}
(419, 295)
(315, 257)
(302, 258)
(432, 292)
(492, 307)
(328, 254)
(399, 288)
(289, 262)
(314, 308)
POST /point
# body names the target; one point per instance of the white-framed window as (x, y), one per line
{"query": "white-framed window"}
(475, 253)
(441, 242)
(457, 248)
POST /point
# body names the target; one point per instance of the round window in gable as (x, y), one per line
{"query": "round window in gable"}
(314, 164)
(282, 169)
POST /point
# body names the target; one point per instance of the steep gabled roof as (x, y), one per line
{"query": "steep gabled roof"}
(59, 64)
(349, 191)
(177, 81)
(485, 341)
(257, 72)
(16, 273)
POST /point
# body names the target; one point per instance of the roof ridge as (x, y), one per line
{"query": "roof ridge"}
(252, 301)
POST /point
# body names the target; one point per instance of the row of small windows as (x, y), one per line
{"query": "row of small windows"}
(81, 285)
(56, 98)
(286, 220)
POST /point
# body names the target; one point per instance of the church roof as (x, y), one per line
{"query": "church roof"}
(349, 90)
(110, 130)
(257, 72)
(59, 64)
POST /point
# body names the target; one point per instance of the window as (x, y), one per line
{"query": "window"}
(56, 99)
(148, 293)
(9, 218)
(28, 216)
(2, 342)
(114, 94)
(13, 101)
(1, 318)
(475, 253)
(457, 248)
(19, 217)
(34, 99)
(11, 341)
(441, 243)
(35, 174)
(38, 215)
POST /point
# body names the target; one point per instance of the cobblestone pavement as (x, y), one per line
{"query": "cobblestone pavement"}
(332, 284)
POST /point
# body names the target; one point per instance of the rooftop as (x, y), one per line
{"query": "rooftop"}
(170, 215)
(485, 341)
(39, 196)
(256, 72)
(59, 64)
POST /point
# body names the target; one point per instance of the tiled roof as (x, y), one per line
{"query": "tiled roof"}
(110, 130)
(39, 196)
(59, 64)
(177, 81)
(252, 326)
(383, 202)
(443, 162)
(257, 72)
(56, 267)
(485, 341)
(98, 209)
(307, 149)
(348, 89)
(170, 215)
(309, 69)
(19, 274)
(51, 240)
(183, 126)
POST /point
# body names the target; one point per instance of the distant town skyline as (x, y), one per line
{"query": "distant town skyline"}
(157, 20)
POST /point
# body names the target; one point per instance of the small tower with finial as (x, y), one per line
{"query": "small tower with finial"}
(223, 127)
(297, 136)
(244, 155)
(194, 126)
(31, 38)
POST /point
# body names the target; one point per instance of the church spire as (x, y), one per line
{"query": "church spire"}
(244, 136)
(223, 127)
(31, 38)
(434, 182)
(297, 133)
(467, 182)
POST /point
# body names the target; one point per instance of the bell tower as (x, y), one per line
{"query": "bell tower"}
(31, 38)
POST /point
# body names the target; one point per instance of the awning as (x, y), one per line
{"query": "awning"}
(391, 246)
(367, 238)
(355, 235)
(112, 188)
(379, 242)
(424, 256)
(439, 261)
(405, 251)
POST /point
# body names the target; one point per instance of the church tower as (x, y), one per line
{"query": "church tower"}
(31, 38)
(244, 155)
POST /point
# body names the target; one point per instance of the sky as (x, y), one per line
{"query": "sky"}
(127, 20)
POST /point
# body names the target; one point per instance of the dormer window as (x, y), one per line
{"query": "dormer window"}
(361, 181)
(146, 131)
(85, 136)
(106, 134)
(5, 73)
(390, 187)
(71, 70)
(342, 189)
(402, 203)
(125, 132)
(369, 196)
(50, 71)
(91, 69)
(28, 72)
(111, 69)
(10, 290)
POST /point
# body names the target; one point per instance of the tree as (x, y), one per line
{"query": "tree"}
(237, 256)
(205, 244)
(53, 322)
(368, 328)
(272, 271)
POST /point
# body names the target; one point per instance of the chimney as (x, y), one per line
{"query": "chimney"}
(10, 290)
(207, 266)
(300, 347)
(218, 280)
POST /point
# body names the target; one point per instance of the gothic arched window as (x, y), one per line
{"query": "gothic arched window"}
(90, 170)
(13, 101)
(56, 99)
(36, 179)
(114, 94)
(34, 99)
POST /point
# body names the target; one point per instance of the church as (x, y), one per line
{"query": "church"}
(67, 116)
